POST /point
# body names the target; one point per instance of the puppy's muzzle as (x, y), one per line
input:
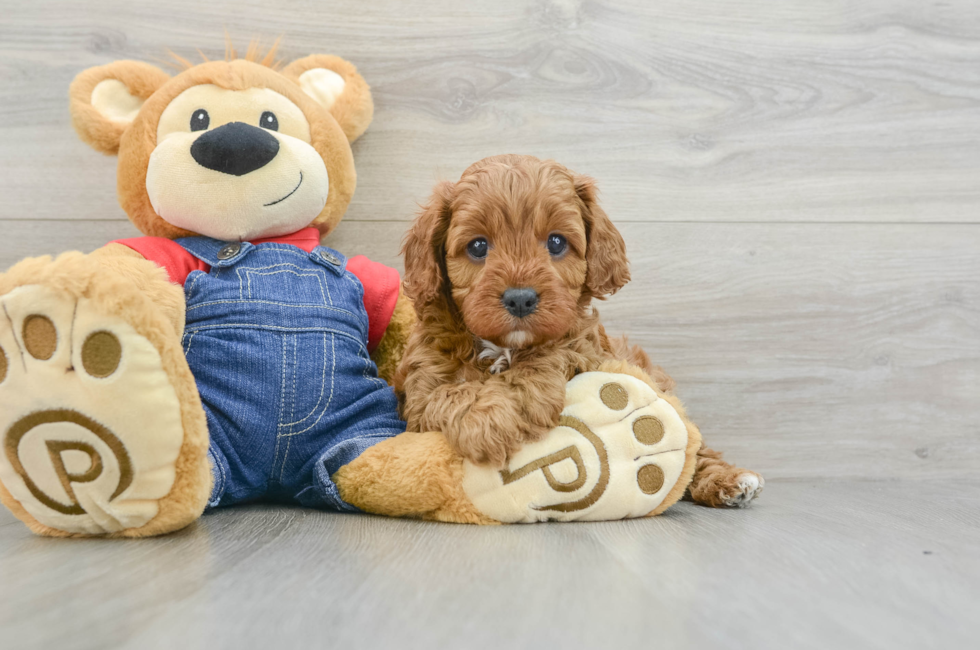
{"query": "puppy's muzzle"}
(520, 302)
(235, 148)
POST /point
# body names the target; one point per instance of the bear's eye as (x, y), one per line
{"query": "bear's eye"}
(269, 121)
(557, 244)
(478, 248)
(200, 120)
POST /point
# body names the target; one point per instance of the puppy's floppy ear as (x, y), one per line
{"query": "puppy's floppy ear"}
(424, 248)
(336, 85)
(106, 99)
(605, 254)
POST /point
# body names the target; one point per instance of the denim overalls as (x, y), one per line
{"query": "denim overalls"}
(277, 340)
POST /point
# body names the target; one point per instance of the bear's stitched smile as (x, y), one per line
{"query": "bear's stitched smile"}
(288, 195)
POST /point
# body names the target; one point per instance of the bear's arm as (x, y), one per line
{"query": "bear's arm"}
(148, 276)
(389, 352)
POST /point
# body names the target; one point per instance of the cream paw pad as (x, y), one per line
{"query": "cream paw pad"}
(618, 452)
(79, 454)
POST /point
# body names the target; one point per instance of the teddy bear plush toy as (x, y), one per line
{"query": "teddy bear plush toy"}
(227, 356)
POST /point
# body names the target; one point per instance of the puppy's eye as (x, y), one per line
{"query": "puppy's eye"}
(269, 121)
(200, 120)
(478, 248)
(557, 245)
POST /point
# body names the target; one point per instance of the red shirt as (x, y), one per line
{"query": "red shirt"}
(381, 283)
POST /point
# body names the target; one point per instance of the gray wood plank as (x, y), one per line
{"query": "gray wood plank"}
(802, 350)
(796, 181)
(686, 111)
(811, 565)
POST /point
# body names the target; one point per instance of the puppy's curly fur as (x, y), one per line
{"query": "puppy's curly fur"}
(492, 381)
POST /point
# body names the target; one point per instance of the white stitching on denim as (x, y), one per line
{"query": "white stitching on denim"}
(333, 374)
(329, 297)
(285, 456)
(188, 290)
(273, 266)
(278, 328)
(221, 472)
(282, 403)
(288, 248)
(190, 339)
(240, 270)
(292, 400)
(323, 384)
(292, 404)
(271, 302)
(353, 279)
(252, 271)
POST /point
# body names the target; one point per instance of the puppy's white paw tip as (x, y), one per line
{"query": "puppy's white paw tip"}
(748, 486)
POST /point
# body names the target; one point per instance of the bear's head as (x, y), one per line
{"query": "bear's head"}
(233, 150)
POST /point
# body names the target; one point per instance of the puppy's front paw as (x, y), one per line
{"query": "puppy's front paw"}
(482, 423)
(478, 437)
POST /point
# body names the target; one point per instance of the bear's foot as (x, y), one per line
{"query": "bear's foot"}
(621, 450)
(92, 426)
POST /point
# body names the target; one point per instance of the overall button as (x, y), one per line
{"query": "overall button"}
(331, 258)
(228, 251)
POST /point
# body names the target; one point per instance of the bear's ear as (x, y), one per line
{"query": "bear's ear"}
(105, 100)
(335, 84)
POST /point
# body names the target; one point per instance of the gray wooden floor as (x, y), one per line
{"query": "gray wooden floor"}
(817, 564)
(799, 186)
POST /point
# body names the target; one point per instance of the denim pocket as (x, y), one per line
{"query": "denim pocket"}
(308, 388)
(308, 285)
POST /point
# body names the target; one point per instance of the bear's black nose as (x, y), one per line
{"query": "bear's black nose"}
(520, 302)
(235, 148)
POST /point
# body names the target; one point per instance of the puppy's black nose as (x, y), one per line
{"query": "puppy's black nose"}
(235, 148)
(520, 302)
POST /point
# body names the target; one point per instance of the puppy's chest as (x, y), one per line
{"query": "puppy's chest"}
(499, 358)
(493, 359)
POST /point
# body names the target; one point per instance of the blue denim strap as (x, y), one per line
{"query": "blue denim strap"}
(329, 258)
(215, 252)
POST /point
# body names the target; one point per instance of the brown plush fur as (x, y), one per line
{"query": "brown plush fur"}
(715, 481)
(117, 258)
(515, 202)
(412, 474)
(389, 352)
(142, 79)
(353, 110)
(116, 290)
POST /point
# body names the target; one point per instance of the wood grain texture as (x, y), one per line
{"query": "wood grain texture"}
(687, 110)
(811, 565)
(799, 186)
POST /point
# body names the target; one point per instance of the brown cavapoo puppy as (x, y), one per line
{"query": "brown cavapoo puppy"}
(502, 267)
